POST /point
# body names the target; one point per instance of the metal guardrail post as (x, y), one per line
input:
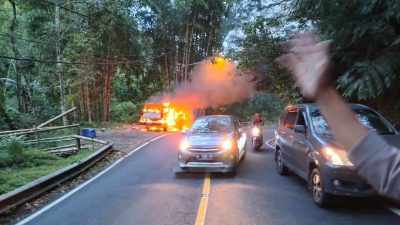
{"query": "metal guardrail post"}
(78, 140)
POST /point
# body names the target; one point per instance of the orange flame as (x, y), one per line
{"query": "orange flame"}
(213, 83)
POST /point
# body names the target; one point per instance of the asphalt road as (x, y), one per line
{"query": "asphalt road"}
(142, 189)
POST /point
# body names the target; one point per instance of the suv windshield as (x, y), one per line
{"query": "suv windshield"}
(367, 117)
(211, 125)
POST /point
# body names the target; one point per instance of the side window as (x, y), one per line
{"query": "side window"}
(290, 120)
(300, 119)
(282, 117)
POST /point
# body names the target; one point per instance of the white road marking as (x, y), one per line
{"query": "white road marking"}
(267, 143)
(49, 206)
(158, 137)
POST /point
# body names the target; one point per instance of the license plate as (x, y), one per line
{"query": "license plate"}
(204, 157)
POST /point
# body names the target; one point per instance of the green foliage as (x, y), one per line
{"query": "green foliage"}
(39, 164)
(124, 112)
(268, 105)
(14, 154)
(258, 50)
(131, 43)
(366, 35)
(13, 149)
(20, 120)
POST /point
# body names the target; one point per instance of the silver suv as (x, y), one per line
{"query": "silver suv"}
(305, 146)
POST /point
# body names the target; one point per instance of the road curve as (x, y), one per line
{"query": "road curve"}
(142, 189)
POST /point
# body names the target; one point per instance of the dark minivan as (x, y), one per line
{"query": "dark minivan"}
(305, 145)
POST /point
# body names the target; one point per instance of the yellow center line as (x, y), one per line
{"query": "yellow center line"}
(201, 213)
(206, 186)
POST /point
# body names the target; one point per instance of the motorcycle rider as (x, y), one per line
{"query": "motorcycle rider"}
(258, 121)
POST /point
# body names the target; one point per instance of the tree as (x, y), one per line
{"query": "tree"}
(366, 47)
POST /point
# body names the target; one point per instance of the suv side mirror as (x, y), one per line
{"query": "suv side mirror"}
(300, 129)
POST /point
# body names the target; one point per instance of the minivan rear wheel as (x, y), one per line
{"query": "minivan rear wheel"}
(280, 167)
(320, 197)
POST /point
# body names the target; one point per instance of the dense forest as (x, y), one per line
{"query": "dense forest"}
(107, 57)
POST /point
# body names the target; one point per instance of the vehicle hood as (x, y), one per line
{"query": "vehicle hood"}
(326, 139)
(213, 139)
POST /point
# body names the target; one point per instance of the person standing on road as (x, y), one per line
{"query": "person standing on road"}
(374, 158)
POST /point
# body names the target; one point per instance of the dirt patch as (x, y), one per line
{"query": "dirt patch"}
(125, 139)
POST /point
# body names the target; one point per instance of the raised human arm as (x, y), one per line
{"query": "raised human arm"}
(309, 61)
(341, 119)
(374, 158)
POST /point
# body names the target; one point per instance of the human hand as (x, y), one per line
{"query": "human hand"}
(309, 62)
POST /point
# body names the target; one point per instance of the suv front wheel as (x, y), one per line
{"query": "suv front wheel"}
(320, 197)
(280, 167)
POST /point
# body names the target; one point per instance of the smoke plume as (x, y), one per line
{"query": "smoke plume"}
(211, 85)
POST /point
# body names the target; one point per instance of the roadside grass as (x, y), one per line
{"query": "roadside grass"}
(35, 164)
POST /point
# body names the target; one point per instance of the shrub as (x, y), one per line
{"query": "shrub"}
(123, 111)
(14, 154)
(15, 149)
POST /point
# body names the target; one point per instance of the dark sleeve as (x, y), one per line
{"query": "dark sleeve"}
(379, 163)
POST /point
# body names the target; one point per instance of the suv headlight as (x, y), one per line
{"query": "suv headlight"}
(226, 144)
(184, 145)
(335, 156)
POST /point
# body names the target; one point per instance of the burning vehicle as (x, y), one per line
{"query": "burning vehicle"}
(165, 116)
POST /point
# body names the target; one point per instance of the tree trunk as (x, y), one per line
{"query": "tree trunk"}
(107, 84)
(13, 25)
(166, 74)
(82, 104)
(187, 62)
(176, 62)
(96, 104)
(209, 42)
(59, 65)
(183, 74)
(106, 96)
(88, 105)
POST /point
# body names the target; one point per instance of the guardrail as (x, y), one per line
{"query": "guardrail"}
(43, 184)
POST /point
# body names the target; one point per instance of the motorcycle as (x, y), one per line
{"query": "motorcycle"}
(256, 137)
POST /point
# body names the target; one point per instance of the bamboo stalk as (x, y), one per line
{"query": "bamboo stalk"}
(57, 117)
(30, 131)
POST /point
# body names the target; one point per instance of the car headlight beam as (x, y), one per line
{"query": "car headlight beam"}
(337, 157)
(184, 145)
(255, 131)
(226, 145)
